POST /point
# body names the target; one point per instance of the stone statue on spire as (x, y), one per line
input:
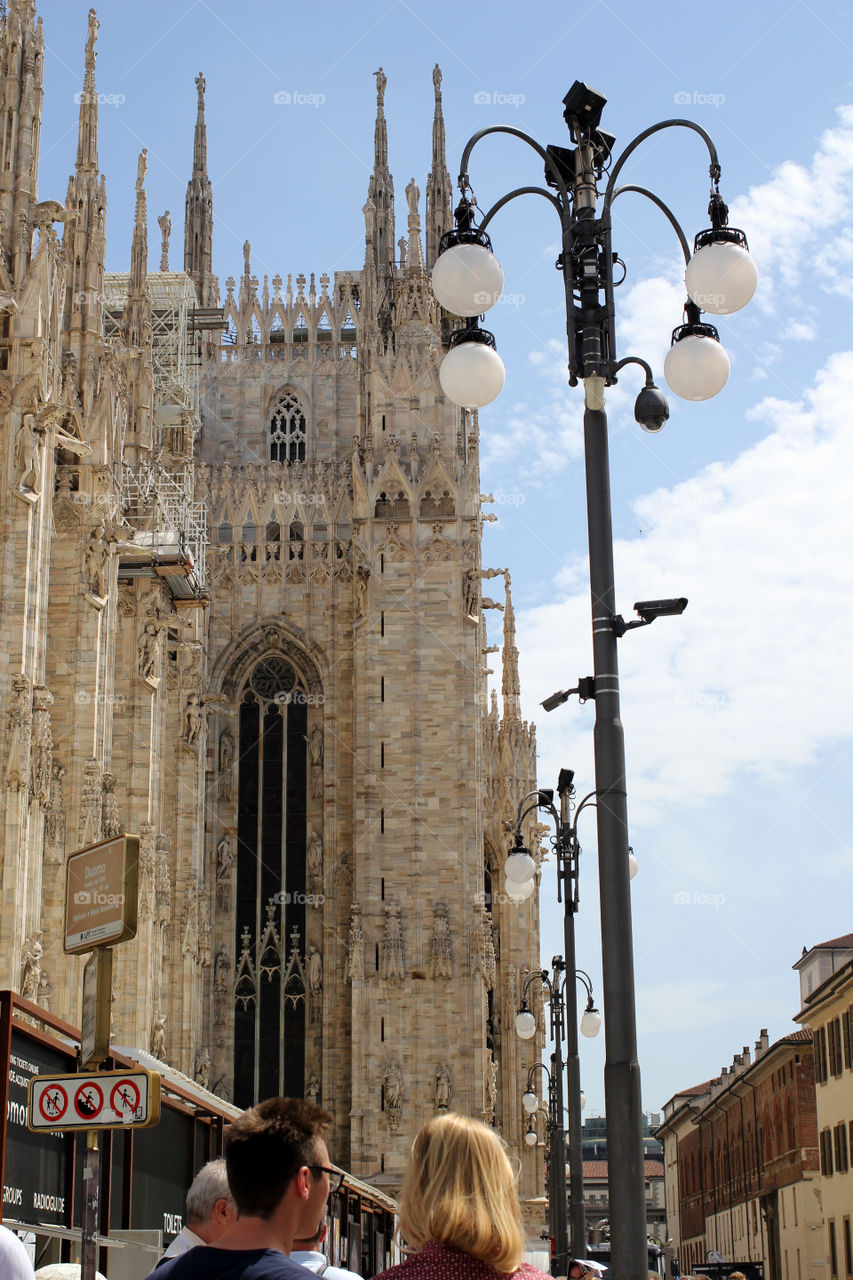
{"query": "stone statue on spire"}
(141, 168)
(165, 224)
(92, 37)
(381, 81)
(201, 85)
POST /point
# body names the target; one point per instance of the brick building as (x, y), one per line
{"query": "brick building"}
(741, 1163)
(826, 988)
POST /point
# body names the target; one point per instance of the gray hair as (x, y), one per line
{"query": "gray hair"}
(209, 1185)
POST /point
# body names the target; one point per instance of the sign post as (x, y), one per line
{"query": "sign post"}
(101, 900)
(97, 998)
(89, 1231)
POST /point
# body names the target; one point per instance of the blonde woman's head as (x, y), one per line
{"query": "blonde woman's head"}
(459, 1190)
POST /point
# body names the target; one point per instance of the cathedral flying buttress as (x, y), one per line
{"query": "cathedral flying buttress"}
(243, 530)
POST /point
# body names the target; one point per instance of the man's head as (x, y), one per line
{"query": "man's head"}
(313, 1241)
(276, 1147)
(210, 1205)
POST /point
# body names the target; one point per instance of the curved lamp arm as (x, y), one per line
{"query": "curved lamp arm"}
(647, 133)
(464, 184)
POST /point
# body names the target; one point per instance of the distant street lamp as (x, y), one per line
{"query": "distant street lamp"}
(720, 278)
(563, 1023)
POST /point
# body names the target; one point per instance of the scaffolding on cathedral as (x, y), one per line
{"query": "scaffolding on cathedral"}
(171, 527)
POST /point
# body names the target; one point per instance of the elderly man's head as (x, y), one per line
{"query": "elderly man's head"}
(210, 1205)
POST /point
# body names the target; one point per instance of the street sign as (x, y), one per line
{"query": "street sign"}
(95, 1023)
(101, 890)
(99, 1100)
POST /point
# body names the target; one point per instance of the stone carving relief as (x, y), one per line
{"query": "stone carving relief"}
(443, 1087)
(28, 444)
(204, 926)
(316, 752)
(314, 859)
(16, 773)
(148, 653)
(202, 1069)
(193, 720)
(441, 946)
(96, 563)
(355, 947)
(91, 804)
(54, 831)
(224, 866)
(312, 1092)
(485, 960)
(393, 951)
(221, 984)
(31, 966)
(157, 1044)
(41, 746)
(491, 1087)
(109, 807)
(163, 883)
(314, 970)
(392, 1081)
(189, 932)
(147, 870)
(226, 764)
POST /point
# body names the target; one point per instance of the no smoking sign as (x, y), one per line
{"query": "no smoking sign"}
(103, 1100)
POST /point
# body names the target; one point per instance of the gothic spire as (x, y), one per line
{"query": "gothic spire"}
(198, 222)
(84, 239)
(87, 129)
(439, 190)
(139, 245)
(21, 67)
(381, 192)
(510, 686)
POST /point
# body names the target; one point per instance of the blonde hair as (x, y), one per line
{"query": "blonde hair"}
(459, 1190)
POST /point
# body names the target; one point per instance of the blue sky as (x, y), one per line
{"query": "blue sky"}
(737, 715)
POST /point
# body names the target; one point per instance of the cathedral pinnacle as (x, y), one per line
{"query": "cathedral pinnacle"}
(381, 193)
(87, 132)
(439, 189)
(198, 220)
(510, 685)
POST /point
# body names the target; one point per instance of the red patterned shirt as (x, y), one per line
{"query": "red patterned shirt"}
(439, 1262)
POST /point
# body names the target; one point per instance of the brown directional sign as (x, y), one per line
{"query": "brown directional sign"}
(101, 886)
(96, 1100)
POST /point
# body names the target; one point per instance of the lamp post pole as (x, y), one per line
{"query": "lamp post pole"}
(555, 985)
(720, 277)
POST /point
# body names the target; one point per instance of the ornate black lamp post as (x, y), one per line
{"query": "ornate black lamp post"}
(720, 277)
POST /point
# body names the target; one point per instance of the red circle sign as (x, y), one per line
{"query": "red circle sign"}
(124, 1098)
(89, 1100)
(52, 1102)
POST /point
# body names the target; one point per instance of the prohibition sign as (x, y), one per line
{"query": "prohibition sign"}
(88, 1100)
(53, 1102)
(124, 1098)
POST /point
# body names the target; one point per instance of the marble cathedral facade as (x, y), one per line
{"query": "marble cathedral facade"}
(242, 615)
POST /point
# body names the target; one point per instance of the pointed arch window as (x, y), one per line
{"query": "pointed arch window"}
(287, 430)
(274, 921)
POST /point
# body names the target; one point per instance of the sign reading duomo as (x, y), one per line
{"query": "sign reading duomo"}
(242, 617)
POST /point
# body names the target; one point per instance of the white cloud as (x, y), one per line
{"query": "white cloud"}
(787, 219)
(752, 678)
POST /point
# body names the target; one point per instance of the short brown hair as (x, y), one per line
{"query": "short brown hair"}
(459, 1190)
(266, 1147)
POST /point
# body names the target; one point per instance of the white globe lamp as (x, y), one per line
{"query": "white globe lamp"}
(467, 278)
(721, 277)
(525, 1024)
(519, 868)
(590, 1022)
(529, 1101)
(696, 366)
(472, 373)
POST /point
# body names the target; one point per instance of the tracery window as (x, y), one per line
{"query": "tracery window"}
(271, 926)
(287, 430)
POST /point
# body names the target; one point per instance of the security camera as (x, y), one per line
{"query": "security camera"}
(651, 409)
(651, 609)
